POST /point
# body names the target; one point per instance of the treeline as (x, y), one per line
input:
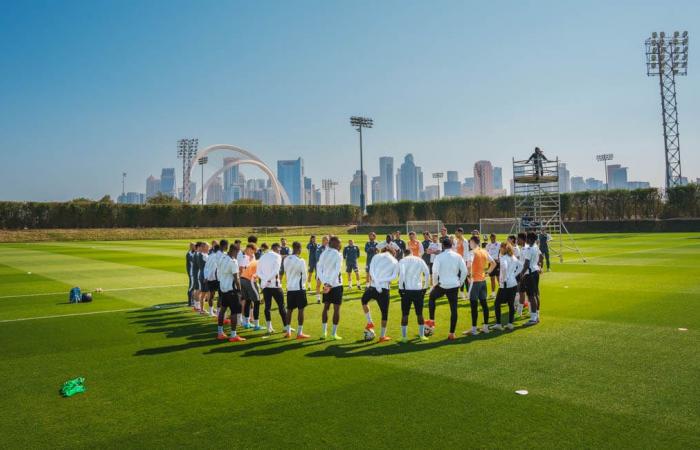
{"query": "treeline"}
(104, 214)
(682, 201)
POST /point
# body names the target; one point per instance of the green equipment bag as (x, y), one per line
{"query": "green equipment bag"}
(72, 387)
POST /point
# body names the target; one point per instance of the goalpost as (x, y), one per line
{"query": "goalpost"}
(499, 226)
(419, 226)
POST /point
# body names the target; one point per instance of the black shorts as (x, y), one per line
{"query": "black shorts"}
(250, 290)
(477, 291)
(382, 299)
(506, 295)
(231, 299)
(203, 285)
(497, 271)
(213, 285)
(414, 298)
(312, 267)
(522, 283)
(296, 299)
(334, 296)
(532, 284)
(351, 267)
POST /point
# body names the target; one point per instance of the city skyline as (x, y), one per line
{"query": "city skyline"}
(274, 78)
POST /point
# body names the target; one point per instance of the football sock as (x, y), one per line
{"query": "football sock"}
(404, 330)
(335, 329)
(325, 328)
(300, 329)
(368, 315)
(221, 330)
(233, 332)
(383, 332)
(421, 330)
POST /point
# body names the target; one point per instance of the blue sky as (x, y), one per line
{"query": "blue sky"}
(90, 89)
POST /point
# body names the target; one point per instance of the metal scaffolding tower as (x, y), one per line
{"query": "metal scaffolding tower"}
(538, 203)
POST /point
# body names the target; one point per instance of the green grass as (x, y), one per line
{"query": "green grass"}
(607, 367)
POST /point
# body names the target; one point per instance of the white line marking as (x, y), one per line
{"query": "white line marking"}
(21, 319)
(103, 290)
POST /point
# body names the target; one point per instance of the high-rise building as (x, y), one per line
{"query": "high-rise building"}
(377, 189)
(215, 192)
(167, 182)
(386, 177)
(617, 176)
(317, 196)
(233, 187)
(429, 193)
(308, 191)
(497, 178)
(452, 187)
(419, 177)
(594, 185)
(577, 184)
(356, 188)
(410, 177)
(468, 187)
(152, 186)
(483, 178)
(291, 174)
(631, 185)
(564, 178)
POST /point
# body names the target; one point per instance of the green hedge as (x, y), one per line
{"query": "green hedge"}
(682, 201)
(17, 215)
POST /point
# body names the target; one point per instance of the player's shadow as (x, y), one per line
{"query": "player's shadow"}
(253, 341)
(286, 347)
(362, 348)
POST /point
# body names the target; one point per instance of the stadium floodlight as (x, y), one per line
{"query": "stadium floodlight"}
(202, 162)
(359, 123)
(438, 176)
(605, 157)
(667, 58)
(123, 183)
(186, 149)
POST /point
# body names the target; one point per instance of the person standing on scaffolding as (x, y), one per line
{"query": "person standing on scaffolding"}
(537, 159)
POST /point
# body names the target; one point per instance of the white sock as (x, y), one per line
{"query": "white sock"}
(240, 318)
(335, 329)
(368, 315)
(383, 332)
(300, 329)
(256, 322)
(221, 330)
(325, 328)
(269, 326)
(211, 310)
(233, 332)
(421, 330)
(474, 330)
(404, 330)
(287, 328)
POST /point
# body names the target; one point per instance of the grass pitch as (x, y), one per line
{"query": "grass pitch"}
(607, 367)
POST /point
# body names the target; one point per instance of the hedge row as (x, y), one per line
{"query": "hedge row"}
(18, 215)
(682, 201)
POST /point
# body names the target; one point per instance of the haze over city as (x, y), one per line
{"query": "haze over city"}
(97, 89)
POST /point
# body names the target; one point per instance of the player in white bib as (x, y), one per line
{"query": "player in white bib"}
(414, 281)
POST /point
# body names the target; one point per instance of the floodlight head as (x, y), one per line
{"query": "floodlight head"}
(676, 34)
(662, 34)
(654, 35)
(203, 160)
(361, 122)
(685, 34)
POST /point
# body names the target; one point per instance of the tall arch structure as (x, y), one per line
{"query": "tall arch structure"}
(243, 157)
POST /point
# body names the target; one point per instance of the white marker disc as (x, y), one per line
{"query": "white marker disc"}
(682, 329)
(521, 392)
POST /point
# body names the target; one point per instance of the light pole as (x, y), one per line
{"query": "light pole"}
(605, 157)
(186, 149)
(123, 184)
(438, 176)
(359, 123)
(202, 161)
(666, 58)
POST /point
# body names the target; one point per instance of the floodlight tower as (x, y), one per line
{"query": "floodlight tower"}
(666, 58)
(359, 123)
(438, 176)
(605, 157)
(186, 149)
(123, 183)
(327, 185)
(202, 161)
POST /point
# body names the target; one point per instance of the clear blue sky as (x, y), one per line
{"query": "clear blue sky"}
(89, 89)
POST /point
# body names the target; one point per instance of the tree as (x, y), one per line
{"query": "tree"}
(106, 199)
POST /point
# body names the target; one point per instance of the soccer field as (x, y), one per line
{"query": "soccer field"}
(606, 367)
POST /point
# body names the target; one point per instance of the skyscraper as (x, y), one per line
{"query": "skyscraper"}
(291, 174)
(497, 178)
(167, 182)
(468, 187)
(452, 187)
(376, 189)
(483, 178)
(617, 176)
(215, 192)
(564, 178)
(355, 188)
(386, 179)
(152, 186)
(308, 191)
(409, 179)
(577, 184)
